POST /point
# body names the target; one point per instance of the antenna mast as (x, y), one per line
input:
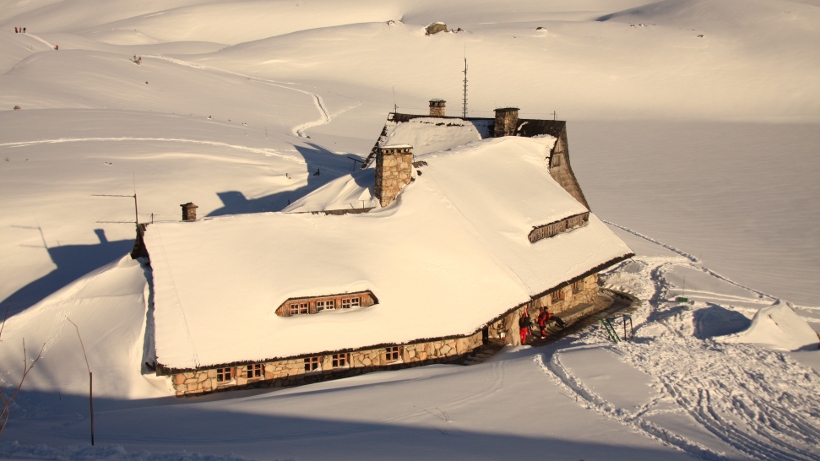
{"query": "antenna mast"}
(464, 107)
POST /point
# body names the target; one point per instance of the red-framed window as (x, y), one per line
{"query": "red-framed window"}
(224, 375)
(340, 360)
(312, 364)
(253, 370)
(392, 354)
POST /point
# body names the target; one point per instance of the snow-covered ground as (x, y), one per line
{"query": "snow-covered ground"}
(693, 129)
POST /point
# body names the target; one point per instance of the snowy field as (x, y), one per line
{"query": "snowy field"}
(694, 128)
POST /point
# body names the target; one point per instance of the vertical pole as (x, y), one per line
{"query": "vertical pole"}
(90, 382)
(464, 108)
(136, 211)
(91, 403)
(625, 335)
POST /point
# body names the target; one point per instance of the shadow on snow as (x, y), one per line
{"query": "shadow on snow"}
(197, 425)
(72, 261)
(322, 167)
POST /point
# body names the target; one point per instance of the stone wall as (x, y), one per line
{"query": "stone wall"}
(586, 294)
(506, 121)
(571, 296)
(394, 170)
(437, 107)
(561, 170)
(291, 372)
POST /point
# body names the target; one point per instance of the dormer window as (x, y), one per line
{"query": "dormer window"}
(317, 304)
(347, 303)
(562, 225)
(299, 308)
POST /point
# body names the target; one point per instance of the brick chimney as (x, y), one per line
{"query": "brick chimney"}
(394, 170)
(437, 107)
(189, 211)
(506, 121)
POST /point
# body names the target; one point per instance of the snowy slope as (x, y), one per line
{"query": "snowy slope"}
(715, 194)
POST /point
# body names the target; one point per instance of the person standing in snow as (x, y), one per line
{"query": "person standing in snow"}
(24, 30)
(524, 327)
(15, 30)
(543, 318)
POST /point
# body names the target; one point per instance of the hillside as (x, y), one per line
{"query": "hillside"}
(693, 129)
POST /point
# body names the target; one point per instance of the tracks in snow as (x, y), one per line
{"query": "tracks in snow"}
(300, 130)
(256, 150)
(759, 402)
(695, 262)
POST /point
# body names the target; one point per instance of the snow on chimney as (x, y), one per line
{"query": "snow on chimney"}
(437, 107)
(506, 121)
(394, 170)
(189, 211)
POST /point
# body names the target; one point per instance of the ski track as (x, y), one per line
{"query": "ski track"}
(759, 402)
(39, 40)
(694, 260)
(299, 130)
(256, 150)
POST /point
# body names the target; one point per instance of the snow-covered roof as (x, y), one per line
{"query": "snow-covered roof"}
(446, 133)
(448, 256)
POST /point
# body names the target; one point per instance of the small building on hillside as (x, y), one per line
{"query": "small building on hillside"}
(467, 223)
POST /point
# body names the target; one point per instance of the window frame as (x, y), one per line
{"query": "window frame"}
(340, 360)
(225, 375)
(557, 295)
(254, 370)
(578, 286)
(395, 352)
(313, 364)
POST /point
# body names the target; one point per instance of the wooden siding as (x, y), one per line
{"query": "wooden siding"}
(557, 227)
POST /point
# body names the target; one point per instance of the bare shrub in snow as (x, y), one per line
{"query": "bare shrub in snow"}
(7, 399)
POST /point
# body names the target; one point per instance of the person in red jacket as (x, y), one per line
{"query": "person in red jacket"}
(543, 317)
(524, 327)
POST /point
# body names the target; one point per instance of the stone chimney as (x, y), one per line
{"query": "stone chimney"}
(189, 211)
(506, 121)
(437, 107)
(394, 170)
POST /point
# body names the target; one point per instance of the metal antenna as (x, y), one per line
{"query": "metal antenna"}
(136, 209)
(464, 107)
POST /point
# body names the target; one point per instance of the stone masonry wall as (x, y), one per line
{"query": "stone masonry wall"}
(394, 170)
(292, 372)
(561, 170)
(506, 122)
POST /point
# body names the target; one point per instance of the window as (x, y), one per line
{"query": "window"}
(253, 371)
(315, 304)
(557, 295)
(347, 303)
(299, 308)
(224, 375)
(340, 360)
(312, 364)
(578, 286)
(556, 159)
(392, 354)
